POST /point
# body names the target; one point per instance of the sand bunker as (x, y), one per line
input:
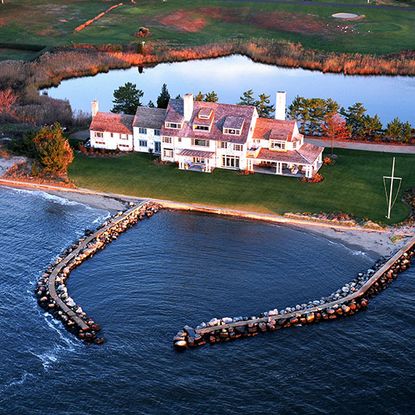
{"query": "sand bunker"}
(346, 16)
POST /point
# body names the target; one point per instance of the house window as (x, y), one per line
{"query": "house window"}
(223, 144)
(157, 132)
(199, 160)
(99, 135)
(142, 143)
(174, 125)
(230, 162)
(201, 127)
(277, 145)
(167, 140)
(112, 135)
(168, 153)
(237, 147)
(142, 130)
(179, 139)
(231, 131)
(124, 145)
(123, 137)
(100, 142)
(198, 142)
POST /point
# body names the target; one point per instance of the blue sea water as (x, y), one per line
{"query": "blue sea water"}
(177, 269)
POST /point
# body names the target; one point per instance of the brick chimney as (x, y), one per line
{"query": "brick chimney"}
(94, 107)
(280, 105)
(187, 106)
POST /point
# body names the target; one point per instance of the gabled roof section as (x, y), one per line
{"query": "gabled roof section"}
(243, 113)
(112, 123)
(268, 128)
(146, 117)
(205, 113)
(233, 122)
(175, 111)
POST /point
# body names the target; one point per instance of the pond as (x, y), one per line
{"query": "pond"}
(230, 76)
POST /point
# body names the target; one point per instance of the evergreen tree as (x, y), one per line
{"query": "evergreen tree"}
(164, 97)
(199, 96)
(398, 131)
(318, 111)
(355, 117)
(299, 110)
(211, 97)
(264, 106)
(406, 132)
(247, 98)
(372, 127)
(178, 96)
(151, 104)
(53, 151)
(127, 99)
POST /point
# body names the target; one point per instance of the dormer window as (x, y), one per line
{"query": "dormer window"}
(197, 127)
(174, 125)
(233, 125)
(276, 145)
(232, 131)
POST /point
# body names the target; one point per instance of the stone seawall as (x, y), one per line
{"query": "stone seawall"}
(51, 291)
(348, 300)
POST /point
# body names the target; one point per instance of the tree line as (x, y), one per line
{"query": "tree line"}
(325, 117)
(315, 116)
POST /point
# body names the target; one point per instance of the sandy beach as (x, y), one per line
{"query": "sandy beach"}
(379, 243)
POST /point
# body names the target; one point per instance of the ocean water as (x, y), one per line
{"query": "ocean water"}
(177, 269)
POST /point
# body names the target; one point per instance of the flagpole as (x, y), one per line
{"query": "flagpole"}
(391, 190)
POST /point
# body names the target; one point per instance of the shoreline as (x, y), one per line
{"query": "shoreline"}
(377, 242)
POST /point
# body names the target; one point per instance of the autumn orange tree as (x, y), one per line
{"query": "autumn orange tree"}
(52, 149)
(7, 101)
(335, 128)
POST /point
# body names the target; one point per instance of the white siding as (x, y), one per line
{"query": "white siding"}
(149, 137)
(111, 141)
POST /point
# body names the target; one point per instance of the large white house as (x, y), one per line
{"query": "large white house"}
(202, 136)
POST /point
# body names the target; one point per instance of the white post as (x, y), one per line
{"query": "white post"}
(391, 190)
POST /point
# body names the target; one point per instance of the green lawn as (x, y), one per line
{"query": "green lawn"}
(353, 185)
(52, 23)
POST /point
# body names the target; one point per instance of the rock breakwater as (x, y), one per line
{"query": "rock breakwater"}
(346, 301)
(51, 291)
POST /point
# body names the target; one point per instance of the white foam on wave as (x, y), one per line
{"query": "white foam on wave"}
(51, 356)
(17, 381)
(47, 196)
(102, 218)
(355, 252)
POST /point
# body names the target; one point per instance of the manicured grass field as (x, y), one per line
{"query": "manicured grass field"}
(197, 22)
(353, 185)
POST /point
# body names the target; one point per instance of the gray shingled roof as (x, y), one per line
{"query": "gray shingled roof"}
(149, 117)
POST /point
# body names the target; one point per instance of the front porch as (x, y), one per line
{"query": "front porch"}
(196, 160)
(273, 168)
